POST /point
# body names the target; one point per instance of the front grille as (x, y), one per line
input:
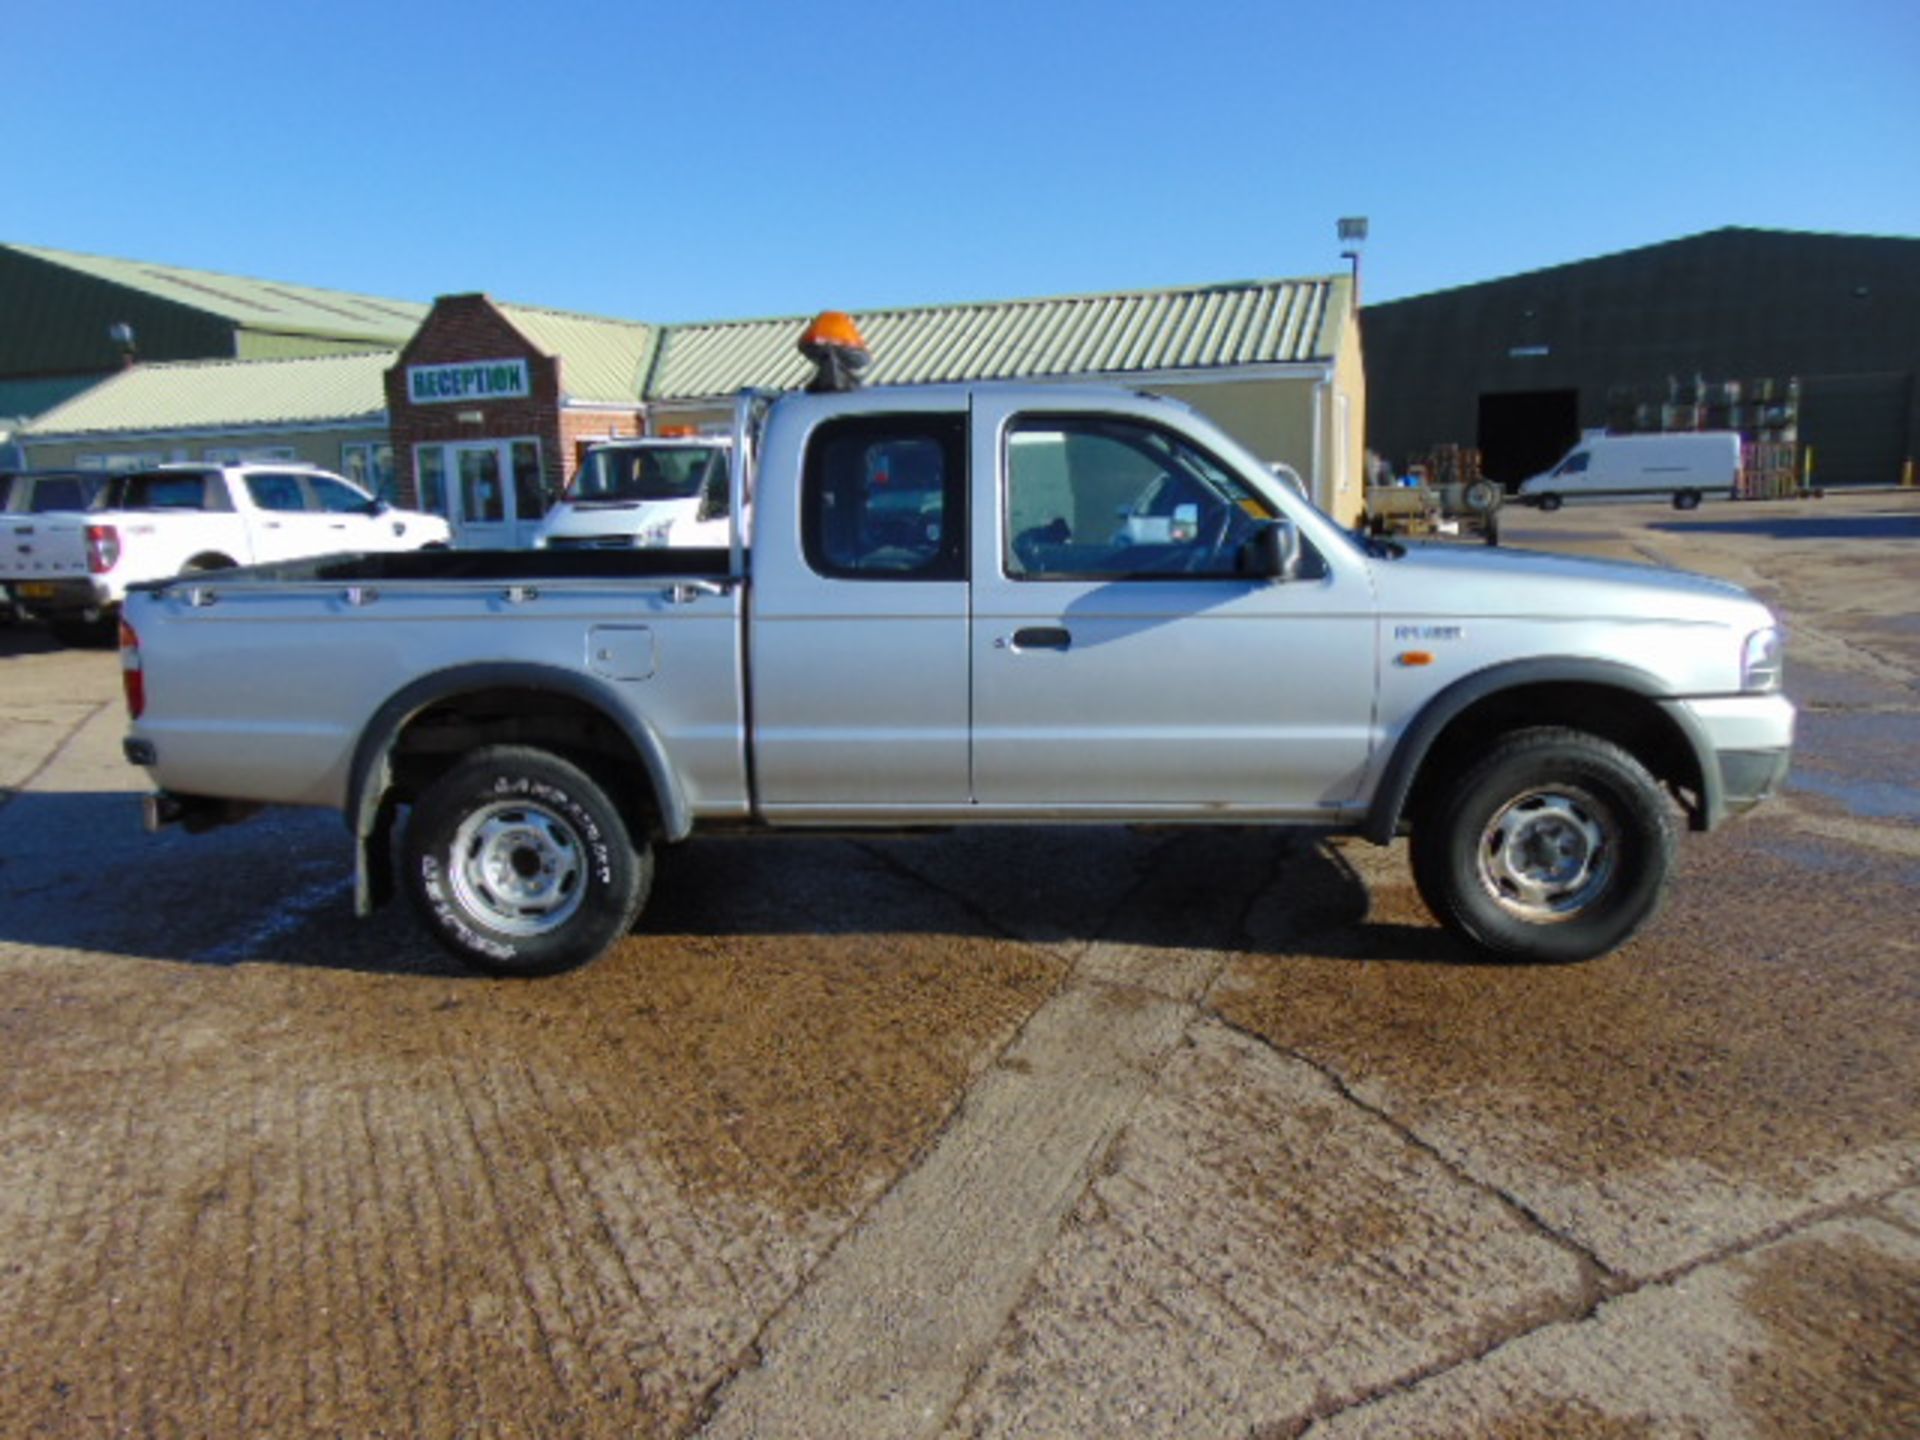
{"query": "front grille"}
(593, 542)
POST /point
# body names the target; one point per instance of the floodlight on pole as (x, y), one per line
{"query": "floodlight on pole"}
(1353, 239)
(121, 334)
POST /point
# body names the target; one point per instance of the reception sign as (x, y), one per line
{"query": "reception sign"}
(468, 381)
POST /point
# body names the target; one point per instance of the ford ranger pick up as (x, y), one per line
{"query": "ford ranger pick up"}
(73, 568)
(968, 604)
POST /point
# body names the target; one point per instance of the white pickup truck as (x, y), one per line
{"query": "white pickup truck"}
(969, 604)
(73, 568)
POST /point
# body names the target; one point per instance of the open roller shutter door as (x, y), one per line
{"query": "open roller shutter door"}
(1857, 426)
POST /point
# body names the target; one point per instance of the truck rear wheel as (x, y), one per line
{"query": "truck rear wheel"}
(520, 865)
(1556, 846)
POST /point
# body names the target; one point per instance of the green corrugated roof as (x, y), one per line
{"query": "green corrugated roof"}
(255, 304)
(222, 394)
(1250, 323)
(1254, 322)
(601, 359)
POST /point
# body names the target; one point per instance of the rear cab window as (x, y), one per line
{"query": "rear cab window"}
(170, 490)
(884, 498)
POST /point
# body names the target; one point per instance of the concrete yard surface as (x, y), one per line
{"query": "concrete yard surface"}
(1009, 1132)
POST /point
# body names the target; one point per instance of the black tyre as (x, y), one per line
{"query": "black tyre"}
(1686, 499)
(1555, 846)
(1549, 502)
(520, 865)
(1482, 497)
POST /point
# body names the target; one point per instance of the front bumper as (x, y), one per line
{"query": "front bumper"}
(1749, 776)
(57, 597)
(1746, 740)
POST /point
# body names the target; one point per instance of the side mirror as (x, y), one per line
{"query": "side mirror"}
(1273, 551)
(377, 507)
(1289, 477)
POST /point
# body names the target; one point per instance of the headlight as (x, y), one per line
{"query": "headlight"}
(1760, 660)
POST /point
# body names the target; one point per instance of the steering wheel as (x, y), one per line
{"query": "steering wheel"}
(1026, 545)
(1211, 543)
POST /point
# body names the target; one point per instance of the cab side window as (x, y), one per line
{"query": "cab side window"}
(1575, 464)
(884, 498)
(1116, 498)
(276, 492)
(336, 498)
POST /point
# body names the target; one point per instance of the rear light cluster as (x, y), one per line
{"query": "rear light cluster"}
(103, 549)
(133, 678)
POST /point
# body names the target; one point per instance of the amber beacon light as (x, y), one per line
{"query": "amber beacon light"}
(838, 351)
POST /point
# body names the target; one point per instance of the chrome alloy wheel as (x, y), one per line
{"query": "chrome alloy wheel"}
(1549, 853)
(521, 867)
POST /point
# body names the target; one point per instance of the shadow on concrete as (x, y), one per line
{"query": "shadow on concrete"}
(78, 873)
(1804, 527)
(25, 637)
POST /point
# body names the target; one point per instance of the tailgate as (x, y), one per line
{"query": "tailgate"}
(42, 548)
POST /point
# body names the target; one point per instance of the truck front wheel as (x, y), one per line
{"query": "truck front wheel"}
(520, 864)
(1555, 846)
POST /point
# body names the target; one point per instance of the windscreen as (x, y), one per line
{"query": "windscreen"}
(648, 473)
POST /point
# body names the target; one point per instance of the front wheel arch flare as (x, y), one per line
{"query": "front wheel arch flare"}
(1519, 686)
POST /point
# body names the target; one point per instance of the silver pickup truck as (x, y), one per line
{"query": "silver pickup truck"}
(968, 604)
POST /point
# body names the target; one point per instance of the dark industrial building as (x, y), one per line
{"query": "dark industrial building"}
(1782, 335)
(68, 321)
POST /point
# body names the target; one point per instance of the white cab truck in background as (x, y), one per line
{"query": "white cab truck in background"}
(1684, 468)
(655, 492)
(72, 568)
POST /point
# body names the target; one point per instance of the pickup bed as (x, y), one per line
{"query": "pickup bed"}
(968, 604)
(73, 568)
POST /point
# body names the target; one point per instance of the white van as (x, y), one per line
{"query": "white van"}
(1683, 467)
(657, 491)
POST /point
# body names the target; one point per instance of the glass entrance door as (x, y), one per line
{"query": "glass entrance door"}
(491, 491)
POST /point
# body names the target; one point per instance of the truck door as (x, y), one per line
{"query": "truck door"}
(284, 523)
(858, 642)
(1120, 659)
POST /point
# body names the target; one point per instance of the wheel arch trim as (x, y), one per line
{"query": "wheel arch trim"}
(370, 777)
(1417, 740)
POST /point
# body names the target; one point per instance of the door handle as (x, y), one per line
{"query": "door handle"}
(1044, 637)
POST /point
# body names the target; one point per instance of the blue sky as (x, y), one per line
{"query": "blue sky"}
(715, 160)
